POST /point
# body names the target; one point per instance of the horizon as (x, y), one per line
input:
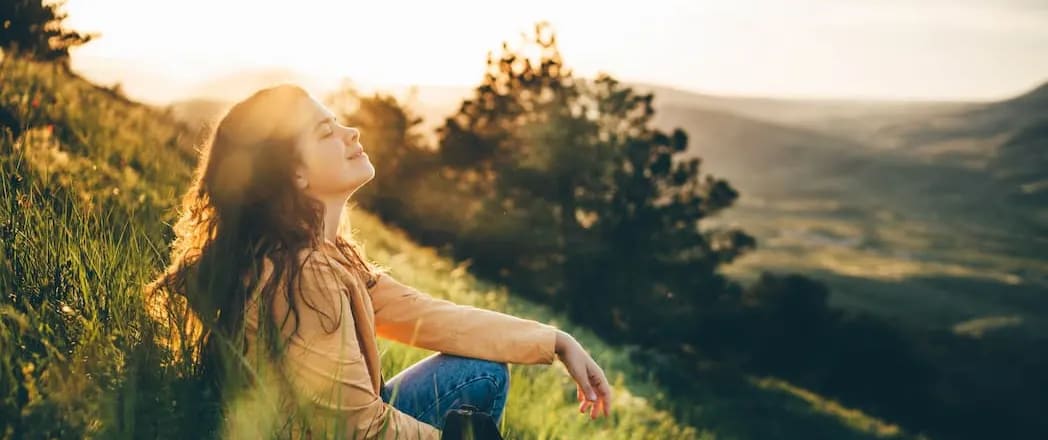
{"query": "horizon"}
(856, 50)
(141, 86)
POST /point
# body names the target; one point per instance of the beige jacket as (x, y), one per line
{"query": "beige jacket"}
(333, 361)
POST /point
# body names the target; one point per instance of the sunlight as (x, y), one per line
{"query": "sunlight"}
(769, 219)
(752, 47)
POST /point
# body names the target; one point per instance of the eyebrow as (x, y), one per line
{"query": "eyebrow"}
(330, 119)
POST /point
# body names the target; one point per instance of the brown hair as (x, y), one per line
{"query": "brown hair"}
(242, 210)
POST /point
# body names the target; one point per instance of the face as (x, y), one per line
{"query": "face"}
(334, 164)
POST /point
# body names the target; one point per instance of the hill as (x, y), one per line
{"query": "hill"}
(87, 191)
(854, 119)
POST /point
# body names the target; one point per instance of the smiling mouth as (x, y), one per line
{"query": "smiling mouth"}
(356, 155)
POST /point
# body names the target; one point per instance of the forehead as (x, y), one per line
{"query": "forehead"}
(309, 112)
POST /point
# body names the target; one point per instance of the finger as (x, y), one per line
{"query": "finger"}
(578, 392)
(597, 407)
(585, 406)
(593, 409)
(602, 387)
(605, 392)
(587, 389)
(581, 376)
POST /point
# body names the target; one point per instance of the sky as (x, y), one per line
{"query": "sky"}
(866, 49)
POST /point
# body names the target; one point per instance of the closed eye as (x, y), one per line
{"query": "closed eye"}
(328, 130)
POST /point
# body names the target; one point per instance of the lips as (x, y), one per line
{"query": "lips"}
(356, 155)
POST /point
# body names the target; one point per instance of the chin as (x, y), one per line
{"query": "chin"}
(361, 181)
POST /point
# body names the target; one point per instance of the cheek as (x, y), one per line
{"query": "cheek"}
(328, 157)
(319, 164)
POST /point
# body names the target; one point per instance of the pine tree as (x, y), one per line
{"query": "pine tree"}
(583, 200)
(33, 29)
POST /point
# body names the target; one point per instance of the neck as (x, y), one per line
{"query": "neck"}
(332, 215)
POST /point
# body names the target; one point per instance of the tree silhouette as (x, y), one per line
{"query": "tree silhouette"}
(583, 200)
(33, 29)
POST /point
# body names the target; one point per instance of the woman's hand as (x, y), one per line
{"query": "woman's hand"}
(592, 387)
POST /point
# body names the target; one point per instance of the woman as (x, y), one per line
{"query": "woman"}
(281, 297)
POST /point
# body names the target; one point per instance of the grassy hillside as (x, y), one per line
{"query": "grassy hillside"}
(89, 182)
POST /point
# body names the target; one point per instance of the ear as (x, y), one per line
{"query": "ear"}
(300, 180)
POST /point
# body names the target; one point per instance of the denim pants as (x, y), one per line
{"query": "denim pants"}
(440, 382)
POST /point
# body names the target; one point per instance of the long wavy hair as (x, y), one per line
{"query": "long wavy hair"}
(241, 211)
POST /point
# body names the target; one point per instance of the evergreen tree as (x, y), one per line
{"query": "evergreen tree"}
(582, 199)
(524, 145)
(656, 268)
(33, 28)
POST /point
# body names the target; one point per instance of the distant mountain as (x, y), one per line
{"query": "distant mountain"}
(838, 117)
(1022, 160)
(970, 134)
(765, 160)
(1034, 100)
(761, 156)
(1008, 140)
(1004, 141)
(850, 118)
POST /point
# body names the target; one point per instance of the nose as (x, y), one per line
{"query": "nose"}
(352, 134)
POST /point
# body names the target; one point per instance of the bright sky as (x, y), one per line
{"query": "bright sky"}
(926, 49)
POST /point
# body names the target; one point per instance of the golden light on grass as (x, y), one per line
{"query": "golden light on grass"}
(851, 417)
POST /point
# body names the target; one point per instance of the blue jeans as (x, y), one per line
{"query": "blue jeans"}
(440, 382)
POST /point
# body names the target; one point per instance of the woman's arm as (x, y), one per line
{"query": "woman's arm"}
(406, 315)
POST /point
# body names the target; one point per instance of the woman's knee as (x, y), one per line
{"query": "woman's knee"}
(488, 387)
(496, 372)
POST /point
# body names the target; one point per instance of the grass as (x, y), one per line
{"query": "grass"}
(87, 191)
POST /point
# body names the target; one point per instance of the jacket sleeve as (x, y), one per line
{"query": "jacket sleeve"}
(405, 315)
(325, 366)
